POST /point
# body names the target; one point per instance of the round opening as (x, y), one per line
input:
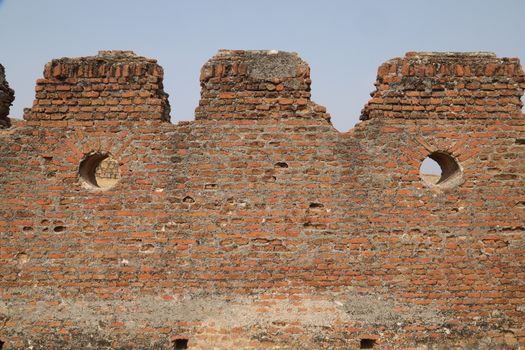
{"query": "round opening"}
(440, 169)
(99, 170)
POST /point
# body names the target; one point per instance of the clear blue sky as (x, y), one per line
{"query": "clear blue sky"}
(343, 41)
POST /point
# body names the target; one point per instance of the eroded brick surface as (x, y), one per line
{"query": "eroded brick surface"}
(7, 96)
(258, 225)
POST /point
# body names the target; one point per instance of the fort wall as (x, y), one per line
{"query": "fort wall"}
(258, 225)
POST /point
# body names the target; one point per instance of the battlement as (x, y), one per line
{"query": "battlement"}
(240, 84)
(447, 85)
(112, 86)
(119, 86)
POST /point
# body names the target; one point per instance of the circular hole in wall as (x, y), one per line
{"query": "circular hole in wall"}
(99, 170)
(441, 169)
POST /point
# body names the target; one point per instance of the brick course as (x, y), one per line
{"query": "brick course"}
(258, 225)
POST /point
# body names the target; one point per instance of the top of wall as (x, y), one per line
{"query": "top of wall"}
(119, 87)
(239, 84)
(447, 85)
(113, 85)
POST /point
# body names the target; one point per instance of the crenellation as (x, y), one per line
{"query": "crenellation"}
(249, 84)
(114, 85)
(447, 85)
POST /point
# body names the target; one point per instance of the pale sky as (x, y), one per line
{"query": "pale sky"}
(343, 41)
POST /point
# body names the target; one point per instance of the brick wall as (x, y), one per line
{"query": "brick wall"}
(110, 87)
(6, 98)
(258, 225)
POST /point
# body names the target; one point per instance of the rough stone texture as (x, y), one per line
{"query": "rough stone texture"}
(114, 85)
(7, 96)
(256, 84)
(258, 225)
(447, 85)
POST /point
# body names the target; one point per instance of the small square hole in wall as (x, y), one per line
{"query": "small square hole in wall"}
(367, 343)
(1, 345)
(180, 344)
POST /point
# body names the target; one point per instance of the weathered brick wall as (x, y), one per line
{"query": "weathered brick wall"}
(447, 85)
(6, 98)
(258, 225)
(110, 87)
